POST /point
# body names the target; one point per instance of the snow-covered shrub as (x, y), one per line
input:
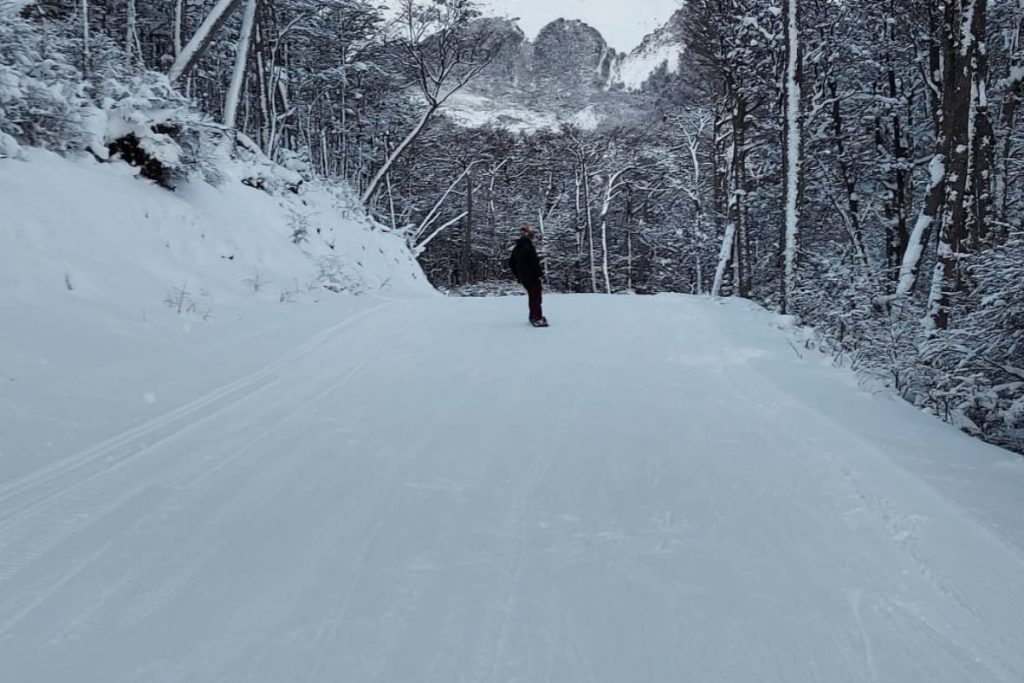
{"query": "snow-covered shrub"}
(971, 375)
(839, 297)
(183, 301)
(299, 224)
(337, 275)
(485, 289)
(263, 173)
(42, 97)
(116, 109)
(978, 368)
(295, 162)
(9, 147)
(144, 122)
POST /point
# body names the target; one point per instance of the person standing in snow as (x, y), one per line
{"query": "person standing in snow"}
(525, 265)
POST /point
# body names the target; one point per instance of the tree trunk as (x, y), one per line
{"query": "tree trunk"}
(467, 240)
(180, 9)
(590, 227)
(725, 257)
(1011, 105)
(580, 230)
(737, 200)
(793, 147)
(605, 206)
(203, 38)
(241, 63)
(852, 209)
(132, 44)
(264, 85)
(983, 143)
(86, 40)
(729, 273)
(391, 201)
(629, 260)
(897, 205)
(942, 67)
(964, 33)
(720, 170)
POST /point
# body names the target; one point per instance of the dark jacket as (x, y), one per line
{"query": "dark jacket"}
(525, 264)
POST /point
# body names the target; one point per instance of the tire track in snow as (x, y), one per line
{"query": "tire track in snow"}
(74, 512)
(338, 614)
(26, 493)
(150, 602)
(300, 407)
(856, 598)
(521, 510)
(491, 651)
(30, 535)
(43, 595)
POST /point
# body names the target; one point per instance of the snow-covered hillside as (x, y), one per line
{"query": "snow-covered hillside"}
(654, 489)
(472, 110)
(636, 68)
(81, 231)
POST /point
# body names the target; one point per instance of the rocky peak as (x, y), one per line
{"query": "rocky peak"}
(660, 49)
(571, 55)
(567, 74)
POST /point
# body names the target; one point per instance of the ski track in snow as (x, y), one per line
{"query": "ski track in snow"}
(653, 489)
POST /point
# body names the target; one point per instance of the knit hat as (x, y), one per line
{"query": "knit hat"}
(528, 231)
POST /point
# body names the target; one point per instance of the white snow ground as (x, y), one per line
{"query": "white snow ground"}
(654, 489)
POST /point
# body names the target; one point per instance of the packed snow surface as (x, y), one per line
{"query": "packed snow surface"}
(654, 489)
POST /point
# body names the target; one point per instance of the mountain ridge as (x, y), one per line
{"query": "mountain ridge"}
(567, 74)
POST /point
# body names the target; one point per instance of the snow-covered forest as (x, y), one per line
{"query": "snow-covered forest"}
(857, 165)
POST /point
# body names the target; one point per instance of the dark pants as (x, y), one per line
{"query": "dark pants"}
(534, 291)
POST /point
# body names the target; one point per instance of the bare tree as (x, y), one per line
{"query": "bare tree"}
(442, 50)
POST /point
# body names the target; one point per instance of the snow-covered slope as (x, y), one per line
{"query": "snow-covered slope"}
(661, 48)
(105, 277)
(634, 69)
(654, 489)
(474, 110)
(78, 230)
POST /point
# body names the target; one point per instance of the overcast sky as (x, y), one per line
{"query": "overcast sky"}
(623, 23)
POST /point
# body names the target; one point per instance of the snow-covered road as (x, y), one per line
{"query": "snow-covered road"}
(655, 489)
